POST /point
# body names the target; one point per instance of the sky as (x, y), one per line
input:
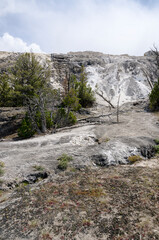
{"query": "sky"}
(60, 26)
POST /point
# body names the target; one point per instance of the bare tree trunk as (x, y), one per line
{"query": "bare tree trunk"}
(42, 111)
(118, 79)
(101, 95)
(117, 111)
(156, 54)
(148, 78)
(31, 112)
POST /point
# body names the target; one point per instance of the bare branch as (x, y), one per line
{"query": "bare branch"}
(148, 78)
(156, 54)
(101, 95)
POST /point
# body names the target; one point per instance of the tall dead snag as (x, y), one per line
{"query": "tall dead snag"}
(117, 107)
(117, 110)
(148, 78)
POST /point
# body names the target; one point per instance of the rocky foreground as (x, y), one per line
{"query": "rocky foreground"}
(92, 203)
(95, 197)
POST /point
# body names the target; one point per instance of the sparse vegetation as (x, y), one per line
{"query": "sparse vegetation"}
(117, 203)
(26, 129)
(100, 140)
(156, 141)
(1, 168)
(2, 164)
(64, 160)
(156, 147)
(38, 168)
(135, 158)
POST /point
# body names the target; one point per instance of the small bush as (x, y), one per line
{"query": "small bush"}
(133, 159)
(26, 129)
(62, 119)
(154, 97)
(156, 149)
(1, 164)
(72, 118)
(1, 168)
(38, 168)
(156, 141)
(49, 120)
(64, 159)
(101, 140)
(1, 171)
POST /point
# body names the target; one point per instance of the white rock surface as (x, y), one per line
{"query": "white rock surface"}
(115, 75)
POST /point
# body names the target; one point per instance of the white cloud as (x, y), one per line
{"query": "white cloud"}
(109, 26)
(12, 44)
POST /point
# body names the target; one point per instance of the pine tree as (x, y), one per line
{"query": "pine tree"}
(85, 93)
(154, 97)
(6, 92)
(28, 76)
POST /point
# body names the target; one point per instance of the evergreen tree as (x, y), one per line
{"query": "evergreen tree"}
(154, 97)
(85, 93)
(6, 92)
(31, 86)
(28, 76)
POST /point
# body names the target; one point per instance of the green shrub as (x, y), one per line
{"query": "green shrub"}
(1, 164)
(26, 129)
(85, 94)
(49, 120)
(1, 168)
(62, 118)
(156, 149)
(38, 168)
(156, 141)
(72, 118)
(154, 97)
(133, 159)
(64, 159)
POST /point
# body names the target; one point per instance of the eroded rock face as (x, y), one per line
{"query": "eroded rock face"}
(126, 76)
(10, 120)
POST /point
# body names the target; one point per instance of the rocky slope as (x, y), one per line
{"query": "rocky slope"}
(128, 76)
(97, 140)
(88, 200)
(93, 204)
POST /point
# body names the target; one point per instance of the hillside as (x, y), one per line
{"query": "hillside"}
(100, 195)
(124, 75)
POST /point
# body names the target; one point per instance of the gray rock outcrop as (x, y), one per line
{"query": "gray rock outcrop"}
(128, 76)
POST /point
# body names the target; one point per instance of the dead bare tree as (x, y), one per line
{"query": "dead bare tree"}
(155, 52)
(101, 94)
(118, 101)
(146, 74)
(117, 110)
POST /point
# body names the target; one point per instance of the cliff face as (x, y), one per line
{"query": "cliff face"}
(126, 76)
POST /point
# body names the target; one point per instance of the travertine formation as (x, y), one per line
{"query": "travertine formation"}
(126, 77)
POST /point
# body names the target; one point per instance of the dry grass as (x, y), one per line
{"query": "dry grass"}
(117, 203)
